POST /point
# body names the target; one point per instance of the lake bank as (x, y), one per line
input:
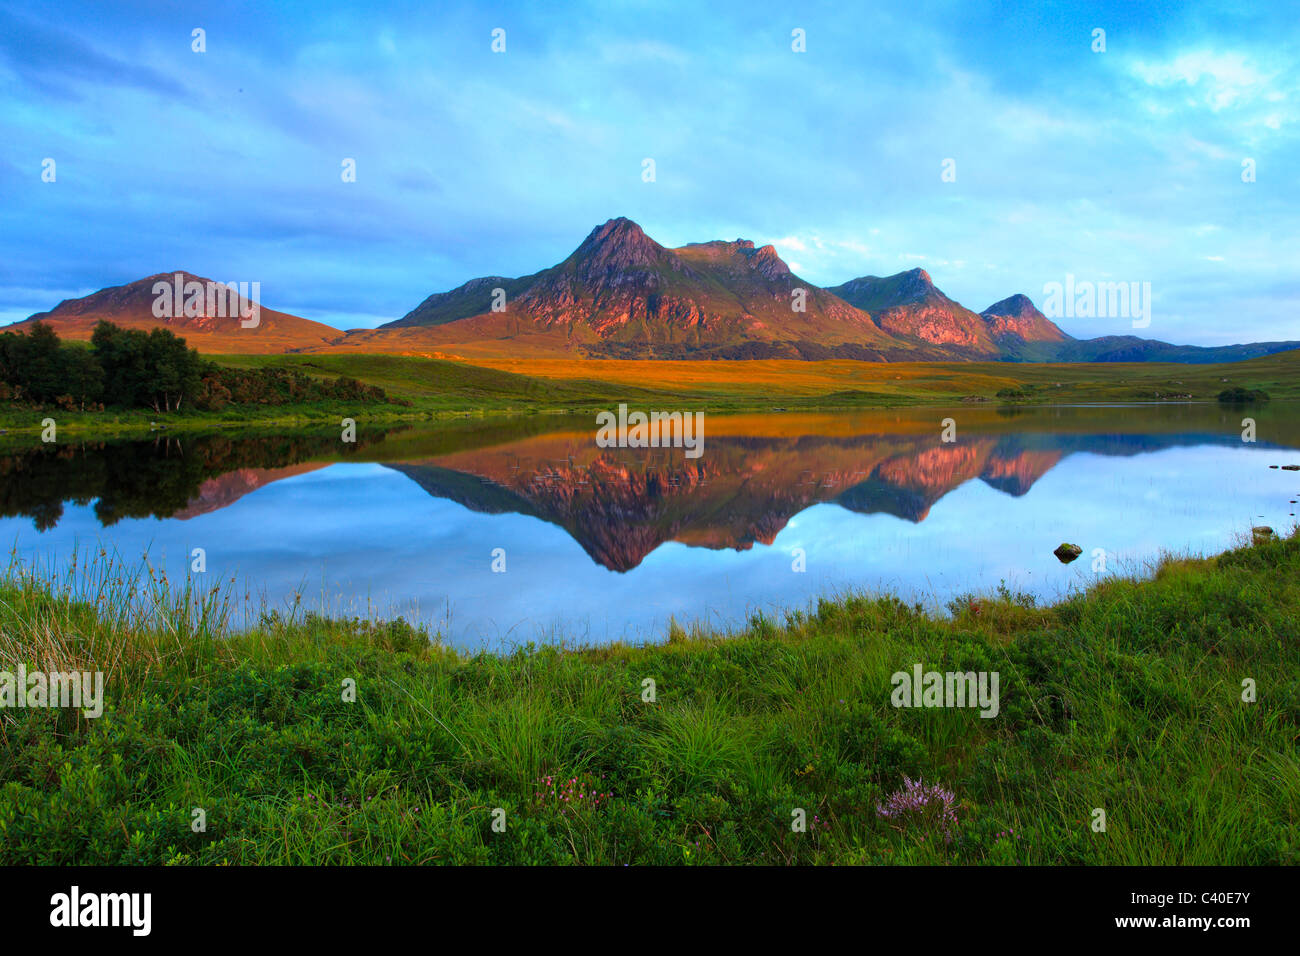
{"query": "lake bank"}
(424, 390)
(1127, 699)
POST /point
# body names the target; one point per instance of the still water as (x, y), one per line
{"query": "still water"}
(606, 544)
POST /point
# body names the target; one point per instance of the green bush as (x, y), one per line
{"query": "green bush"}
(1239, 395)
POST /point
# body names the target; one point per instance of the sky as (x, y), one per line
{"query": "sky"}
(990, 144)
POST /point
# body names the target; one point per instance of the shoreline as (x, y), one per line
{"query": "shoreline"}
(153, 425)
(421, 390)
(1127, 698)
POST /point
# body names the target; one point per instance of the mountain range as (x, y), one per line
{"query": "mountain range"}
(620, 294)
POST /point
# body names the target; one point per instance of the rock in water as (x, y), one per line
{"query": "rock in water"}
(1066, 553)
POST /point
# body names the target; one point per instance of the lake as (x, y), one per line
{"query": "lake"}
(601, 544)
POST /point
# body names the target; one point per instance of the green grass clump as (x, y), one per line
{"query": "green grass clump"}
(1127, 698)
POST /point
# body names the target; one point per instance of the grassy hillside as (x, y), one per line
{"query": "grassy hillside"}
(439, 387)
(853, 383)
(436, 384)
(421, 388)
(757, 384)
(1127, 699)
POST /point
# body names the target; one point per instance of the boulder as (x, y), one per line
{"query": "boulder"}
(1065, 553)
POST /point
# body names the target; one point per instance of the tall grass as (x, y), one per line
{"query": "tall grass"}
(1127, 699)
(101, 612)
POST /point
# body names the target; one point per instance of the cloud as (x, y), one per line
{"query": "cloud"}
(473, 163)
(1229, 78)
(56, 61)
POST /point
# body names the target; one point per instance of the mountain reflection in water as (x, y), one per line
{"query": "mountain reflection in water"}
(341, 514)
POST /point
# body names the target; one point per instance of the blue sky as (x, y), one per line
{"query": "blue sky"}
(1117, 166)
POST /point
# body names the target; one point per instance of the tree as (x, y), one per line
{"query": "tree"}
(175, 371)
(153, 369)
(81, 375)
(41, 363)
(121, 354)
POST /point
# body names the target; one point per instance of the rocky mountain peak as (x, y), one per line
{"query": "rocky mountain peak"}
(1018, 305)
(618, 246)
(765, 260)
(1017, 316)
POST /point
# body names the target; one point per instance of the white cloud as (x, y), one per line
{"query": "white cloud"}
(1230, 79)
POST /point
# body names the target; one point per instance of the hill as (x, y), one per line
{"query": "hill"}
(213, 321)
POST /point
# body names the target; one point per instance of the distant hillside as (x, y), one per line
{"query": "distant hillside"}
(133, 306)
(1130, 348)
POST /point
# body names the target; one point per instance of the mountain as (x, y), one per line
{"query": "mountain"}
(1016, 320)
(1025, 334)
(622, 294)
(218, 326)
(908, 305)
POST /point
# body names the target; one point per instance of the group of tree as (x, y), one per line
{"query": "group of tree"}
(220, 387)
(131, 368)
(38, 368)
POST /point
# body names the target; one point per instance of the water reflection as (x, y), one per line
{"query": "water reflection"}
(283, 509)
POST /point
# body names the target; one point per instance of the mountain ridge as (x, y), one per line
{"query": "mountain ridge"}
(621, 294)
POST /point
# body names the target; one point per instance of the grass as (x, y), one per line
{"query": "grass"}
(503, 383)
(1127, 699)
(436, 388)
(855, 384)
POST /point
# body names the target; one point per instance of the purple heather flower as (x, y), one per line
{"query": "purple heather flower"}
(916, 799)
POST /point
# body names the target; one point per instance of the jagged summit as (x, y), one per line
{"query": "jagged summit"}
(738, 257)
(619, 244)
(1016, 305)
(908, 304)
(766, 262)
(1017, 317)
(617, 249)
